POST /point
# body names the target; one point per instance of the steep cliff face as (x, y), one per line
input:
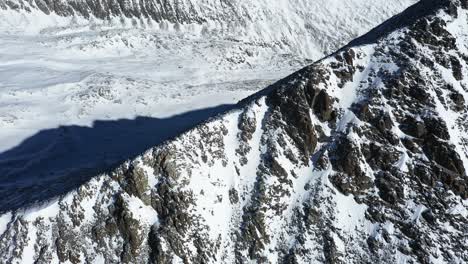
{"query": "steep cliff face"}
(358, 158)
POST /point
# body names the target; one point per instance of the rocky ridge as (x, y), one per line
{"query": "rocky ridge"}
(64, 74)
(358, 158)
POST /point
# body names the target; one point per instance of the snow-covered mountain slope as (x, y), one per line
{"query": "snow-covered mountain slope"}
(67, 80)
(224, 48)
(358, 158)
(304, 27)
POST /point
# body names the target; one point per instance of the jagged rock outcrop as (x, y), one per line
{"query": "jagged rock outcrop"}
(358, 158)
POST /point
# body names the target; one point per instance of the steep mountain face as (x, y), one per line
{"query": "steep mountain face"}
(70, 73)
(358, 158)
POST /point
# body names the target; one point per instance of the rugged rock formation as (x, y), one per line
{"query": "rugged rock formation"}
(358, 158)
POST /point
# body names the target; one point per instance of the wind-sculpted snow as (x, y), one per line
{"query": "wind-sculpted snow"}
(306, 27)
(360, 157)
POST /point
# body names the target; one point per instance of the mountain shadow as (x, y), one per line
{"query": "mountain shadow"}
(56, 161)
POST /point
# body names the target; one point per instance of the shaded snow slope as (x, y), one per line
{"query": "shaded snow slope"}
(360, 157)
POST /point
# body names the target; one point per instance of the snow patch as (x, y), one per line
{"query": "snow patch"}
(5, 219)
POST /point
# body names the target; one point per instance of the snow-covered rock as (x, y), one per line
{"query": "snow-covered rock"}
(76, 88)
(359, 158)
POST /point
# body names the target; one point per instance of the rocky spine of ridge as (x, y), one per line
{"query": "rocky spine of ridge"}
(358, 158)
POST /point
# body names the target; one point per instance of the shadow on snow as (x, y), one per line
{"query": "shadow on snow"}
(56, 161)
